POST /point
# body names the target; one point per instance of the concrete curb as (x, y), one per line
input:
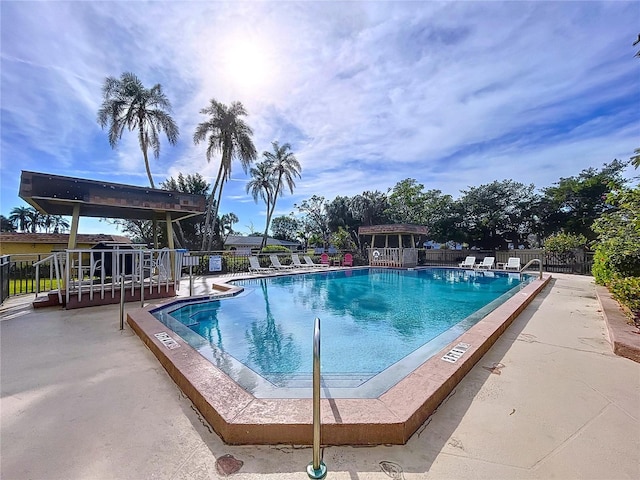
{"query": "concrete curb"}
(624, 338)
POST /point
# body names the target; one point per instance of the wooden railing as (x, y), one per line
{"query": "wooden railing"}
(393, 257)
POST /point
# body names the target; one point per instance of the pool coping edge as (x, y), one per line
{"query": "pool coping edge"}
(392, 418)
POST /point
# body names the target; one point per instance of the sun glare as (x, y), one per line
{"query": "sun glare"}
(248, 65)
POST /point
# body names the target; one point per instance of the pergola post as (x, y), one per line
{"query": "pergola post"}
(170, 243)
(75, 220)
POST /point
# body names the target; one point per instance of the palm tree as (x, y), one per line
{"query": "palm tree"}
(35, 220)
(20, 217)
(226, 224)
(58, 223)
(284, 167)
(226, 132)
(127, 103)
(262, 185)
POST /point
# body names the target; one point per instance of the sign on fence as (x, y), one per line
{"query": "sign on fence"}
(215, 263)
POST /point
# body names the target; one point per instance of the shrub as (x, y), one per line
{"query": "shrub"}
(563, 246)
(626, 290)
(618, 244)
(602, 271)
(275, 249)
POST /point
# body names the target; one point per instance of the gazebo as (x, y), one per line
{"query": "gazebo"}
(91, 276)
(393, 245)
(79, 197)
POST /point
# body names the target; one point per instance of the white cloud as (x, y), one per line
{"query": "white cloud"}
(368, 93)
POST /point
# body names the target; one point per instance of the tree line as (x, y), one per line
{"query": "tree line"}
(490, 216)
(30, 220)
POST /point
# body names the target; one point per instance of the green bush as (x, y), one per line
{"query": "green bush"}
(601, 270)
(618, 244)
(275, 249)
(626, 290)
(563, 246)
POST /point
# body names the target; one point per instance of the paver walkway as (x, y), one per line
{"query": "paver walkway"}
(82, 400)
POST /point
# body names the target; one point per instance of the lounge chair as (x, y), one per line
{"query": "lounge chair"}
(254, 266)
(513, 264)
(347, 261)
(469, 262)
(487, 263)
(275, 261)
(311, 263)
(295, 260)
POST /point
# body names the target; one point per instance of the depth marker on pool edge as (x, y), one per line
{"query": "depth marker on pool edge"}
(166, 340)
(456, 352)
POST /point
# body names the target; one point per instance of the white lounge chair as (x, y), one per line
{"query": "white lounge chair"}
(487, 263)
(469, 262)
(275, 261)
(295, 260)
(513, 264)
(311, 263)
(254, 266)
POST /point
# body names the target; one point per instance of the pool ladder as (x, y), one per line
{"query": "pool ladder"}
(316, 469)
(531, 262)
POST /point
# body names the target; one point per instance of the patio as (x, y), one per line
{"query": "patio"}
(81, 399)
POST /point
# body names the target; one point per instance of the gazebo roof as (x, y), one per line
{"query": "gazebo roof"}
(58, 195)
(394, 229)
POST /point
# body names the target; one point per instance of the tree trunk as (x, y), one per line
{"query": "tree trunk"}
(208, 222)
(143, 146)
(266, 228)
(214, 215)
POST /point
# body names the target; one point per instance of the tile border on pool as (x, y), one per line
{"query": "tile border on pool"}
(241, 419)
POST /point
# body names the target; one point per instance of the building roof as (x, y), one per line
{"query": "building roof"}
(255, 241)
(13, 237)
(58, 195)
(397, 229)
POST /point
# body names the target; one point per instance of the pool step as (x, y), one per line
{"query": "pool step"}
(305, 380)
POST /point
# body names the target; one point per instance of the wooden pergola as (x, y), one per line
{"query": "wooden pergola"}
(393, 245)
(78, 197)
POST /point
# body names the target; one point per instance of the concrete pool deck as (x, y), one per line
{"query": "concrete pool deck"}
(389, 417)
(80, 399)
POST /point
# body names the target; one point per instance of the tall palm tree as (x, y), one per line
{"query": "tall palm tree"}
(58, 223)
(35, 221)
(262, 185)
(227, 133)
(128, 104)
(284, 167)
(20, 216)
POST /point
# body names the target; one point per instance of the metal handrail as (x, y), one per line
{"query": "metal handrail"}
(316, 469)
(529, 263)
(53, 259)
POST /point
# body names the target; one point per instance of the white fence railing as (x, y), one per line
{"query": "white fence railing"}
(101, 272)
(393, 257)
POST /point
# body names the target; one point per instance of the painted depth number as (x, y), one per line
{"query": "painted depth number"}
(166, 340)
(456, 352)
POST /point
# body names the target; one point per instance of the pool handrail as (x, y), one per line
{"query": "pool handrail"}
(529, 263)
(316, 469)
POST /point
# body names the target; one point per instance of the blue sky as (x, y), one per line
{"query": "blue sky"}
(453, 94)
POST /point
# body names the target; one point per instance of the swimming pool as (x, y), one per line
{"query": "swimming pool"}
(377, 326)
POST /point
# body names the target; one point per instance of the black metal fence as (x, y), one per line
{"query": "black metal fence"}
(580, 262)
(229, 262)
(18, 275)
(5, 262)
(17, 272)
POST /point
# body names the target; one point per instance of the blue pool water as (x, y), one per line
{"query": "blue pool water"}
(373, 320)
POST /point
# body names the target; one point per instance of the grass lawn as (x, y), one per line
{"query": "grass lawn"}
(17, 287)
